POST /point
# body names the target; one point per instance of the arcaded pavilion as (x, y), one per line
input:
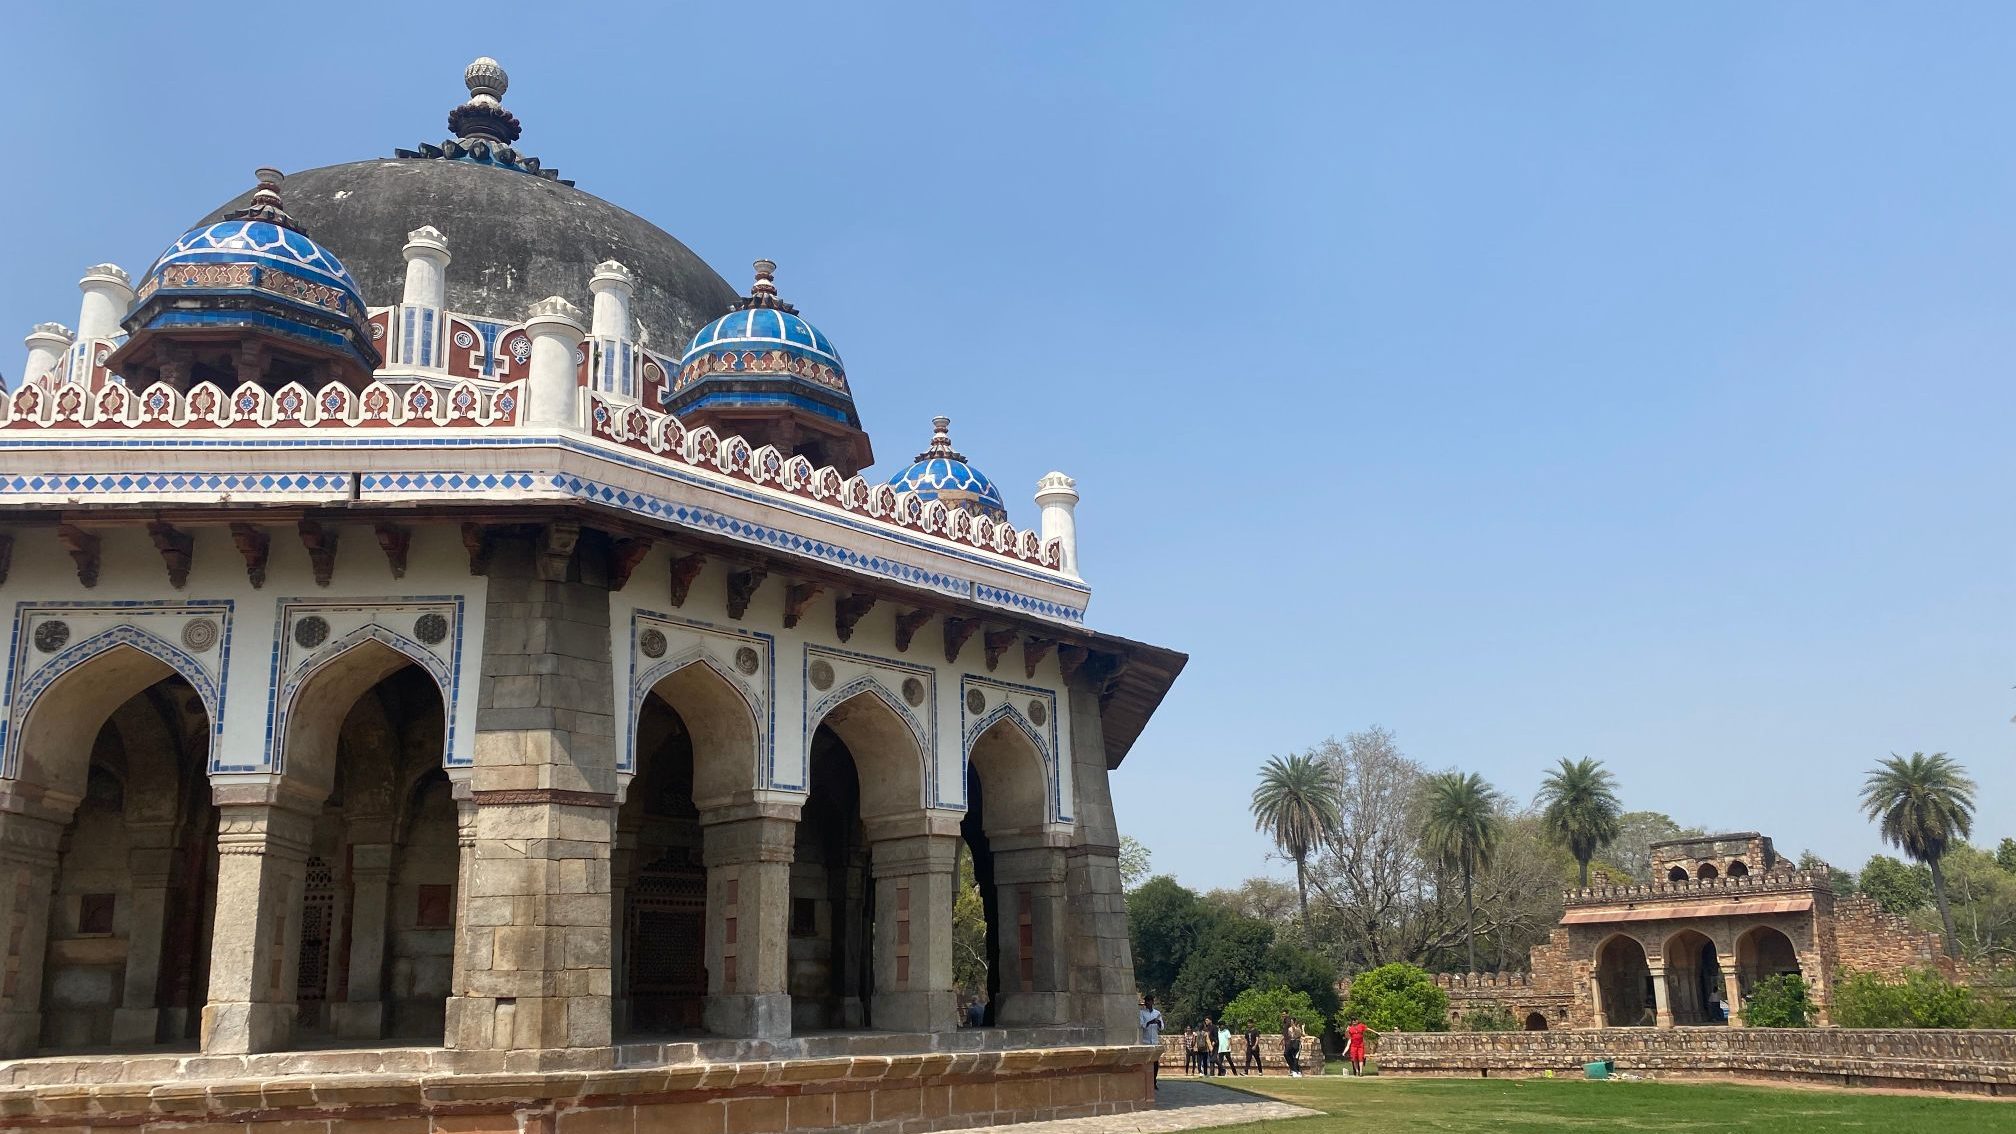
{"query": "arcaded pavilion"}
(458, 636)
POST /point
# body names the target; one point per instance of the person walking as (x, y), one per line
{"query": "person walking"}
(1206, 1042)
(1354, 1046)
(1253, 1064)
(1151, 1036)
(1225, 1064)
(1292, 1048)
(1189, 1050)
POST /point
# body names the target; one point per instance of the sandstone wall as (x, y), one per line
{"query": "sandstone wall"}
(1974, 1061)
(1868, 940)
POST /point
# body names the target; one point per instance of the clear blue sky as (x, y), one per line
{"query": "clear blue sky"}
(1536, 380)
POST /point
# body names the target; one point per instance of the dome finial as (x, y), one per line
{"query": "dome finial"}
(941, 441)
(484, 116)
(763, 293)
(265, 204)
(486, 77)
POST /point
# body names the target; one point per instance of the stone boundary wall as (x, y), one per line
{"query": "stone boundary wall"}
(871, 1094)
(1272, 1062)
(1981, 1062)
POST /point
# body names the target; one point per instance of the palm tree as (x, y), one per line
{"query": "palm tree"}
(1460, 825)
(1580, 809)
(1921, 805)
(1299, 805)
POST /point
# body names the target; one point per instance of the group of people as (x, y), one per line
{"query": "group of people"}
(1207, 1048)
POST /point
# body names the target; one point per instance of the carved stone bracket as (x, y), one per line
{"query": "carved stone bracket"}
(907, 625)
(685, 569)
(6, 556)
(395, 540)
(1070, 659)
(1033, 652)
(797, 597)
(477, 539)
(555, 551)
(175, 547)
(997, 643)
(83, 547)
(624, 556)
(254, 544)
(742, 587)
(321, 545)
(848, 611)
(957, 631)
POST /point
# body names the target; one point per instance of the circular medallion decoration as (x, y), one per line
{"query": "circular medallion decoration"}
(1038, 713)
(747, 661)
(976, 701)
(913, 691)
(50, 636)
(431, 628)
(464, 339)
(200, 634)
(652, 643)
(311, 632)
(820, 674)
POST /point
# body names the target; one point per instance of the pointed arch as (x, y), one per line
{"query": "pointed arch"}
(59, 708)
(1018, 791)
(722, 717)
(890, 748)
(310, 708)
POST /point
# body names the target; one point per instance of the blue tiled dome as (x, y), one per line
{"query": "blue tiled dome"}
(764, 329)
(941, 473)
(258, 244)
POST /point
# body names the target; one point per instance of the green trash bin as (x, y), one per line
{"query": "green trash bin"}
(1598, 1070)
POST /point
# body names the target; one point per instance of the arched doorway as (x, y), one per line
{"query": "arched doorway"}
(662, 881)
(1536, 1022)
(1019, 867)
(831, 897)
(1694, 985)
(1738, 869)
(1763, 952)
(1624, 983)
(1707, 872)
(1677, 874)
(375, 945)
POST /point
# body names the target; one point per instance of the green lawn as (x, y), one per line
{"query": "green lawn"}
(1552, 1106)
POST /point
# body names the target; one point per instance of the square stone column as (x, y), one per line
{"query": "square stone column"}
(1101, 959)
(748, 854)
(29, 836)
(1662, 998)
(361, 1014)
(913, 932)
(1030, 941)
(1732, 987)
(255, 945)
(151, 864)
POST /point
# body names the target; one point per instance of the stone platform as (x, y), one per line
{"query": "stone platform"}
(429, 1090)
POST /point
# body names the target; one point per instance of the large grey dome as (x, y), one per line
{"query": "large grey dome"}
(516, 238)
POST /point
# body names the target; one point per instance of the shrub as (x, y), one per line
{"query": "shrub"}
(1779, 1001)
(1262, 1008)
(1490, 1018)
(1396, 998)
(1923, 998)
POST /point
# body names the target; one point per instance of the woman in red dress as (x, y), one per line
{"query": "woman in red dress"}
(1354, 1048)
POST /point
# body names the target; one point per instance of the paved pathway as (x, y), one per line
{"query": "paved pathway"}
(1179, 1105)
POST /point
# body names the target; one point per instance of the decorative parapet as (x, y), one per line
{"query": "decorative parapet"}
(207, 406)
(1777, 881)
(1488, 981)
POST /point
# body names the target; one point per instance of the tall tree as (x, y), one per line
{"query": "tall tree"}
(1298, 805)
(1922, 805)
(1460, 825)
(1580, 810)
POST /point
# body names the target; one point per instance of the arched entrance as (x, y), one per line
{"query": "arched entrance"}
(661, 882)
(1536, 1022)
(1694, 985)
(107, 876)
(1677, 874)
(1763, 952)
(831, 898)
(1019, 869)
(1707, 872)
(1624, 984)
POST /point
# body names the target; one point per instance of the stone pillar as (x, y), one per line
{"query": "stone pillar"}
(47, 344)
(361, 1013)
(255, 943)
(427, 259)
(1732, 987)
(748, 853)
(29, 837)
(622, 863)
(1057, 495)
(150, 863)
(554, 326)
(1662, 998)
(533, 948)
(1601, 1018)
(1101, 972)
(913, 932)
(1030, 884)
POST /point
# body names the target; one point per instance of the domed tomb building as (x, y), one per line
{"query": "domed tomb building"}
(447, 613)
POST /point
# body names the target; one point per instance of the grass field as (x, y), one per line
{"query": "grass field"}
(1532, 1106)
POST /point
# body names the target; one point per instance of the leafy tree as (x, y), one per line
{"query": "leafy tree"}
(1984, 904)
(1133, 862)
(1843, 881)
(969, 931)
(1262, 1008)
(1303, 971)
(1899, 887)
(1460, 826)
(1488, 1018)
(1637, 831)
(1227, 959)
(1779, 1001)
(1298, 806)
(2005, 855)
(1579, 808)
(1921, 998)
(1163, 919)
(1269, 899)
(1922, 805)
(1396, 998)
